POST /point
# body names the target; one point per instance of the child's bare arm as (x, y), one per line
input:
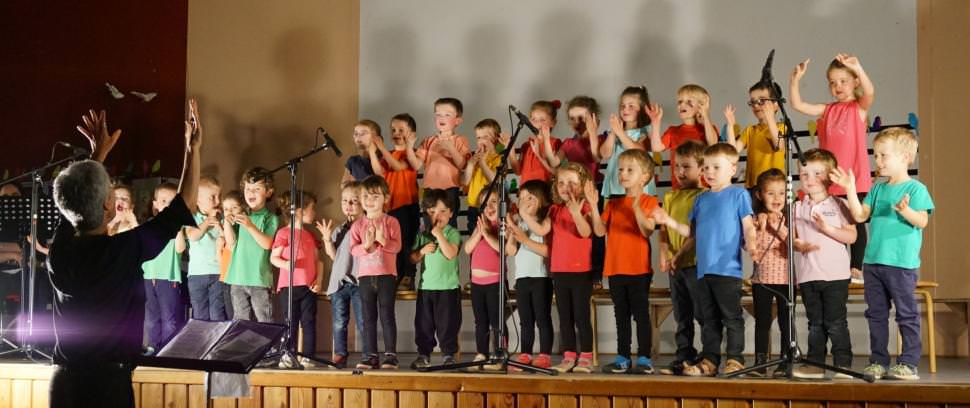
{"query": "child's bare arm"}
(860, 212)
(811, 109)
(592, 197)
(710, 132)
(868, 89)
(732, 139)
(180, 244)
(276, 258)
(375, 161)
(750, 234)
(395, 164)
(413, 158)
(262, 239)
(918, 219)
(541, 229)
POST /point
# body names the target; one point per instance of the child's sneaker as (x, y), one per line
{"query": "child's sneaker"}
(703, 368)
(568, 362)
(877, 371)
(478, 357)
(522, 358)
(369, 363)
(308, 363)
(448, 359)
(780, 371)
(584, 364)
(499, 366)
(390, 361)
(903, 371)
(806, 371)
(644, 366)
(339, 362)
(732, 366)
(286, 361)
(542, 361)
(676, 367)
(421, 362)
(621, 365)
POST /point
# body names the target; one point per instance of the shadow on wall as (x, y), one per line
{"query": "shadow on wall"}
(394, 65)
(489, 63)
(563, 49)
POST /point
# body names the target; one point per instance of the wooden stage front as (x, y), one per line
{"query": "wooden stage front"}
(25, 385)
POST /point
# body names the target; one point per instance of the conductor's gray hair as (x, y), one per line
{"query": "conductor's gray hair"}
(80, 192)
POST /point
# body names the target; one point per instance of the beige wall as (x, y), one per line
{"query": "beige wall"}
(267, 75)
(943, 36)
(942, 42)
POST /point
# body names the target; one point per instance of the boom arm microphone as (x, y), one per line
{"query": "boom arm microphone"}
(524, 119)
(75, 149)
(329, 143)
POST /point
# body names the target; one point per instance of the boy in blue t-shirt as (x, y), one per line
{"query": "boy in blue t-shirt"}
(719, 220)
(900, 208)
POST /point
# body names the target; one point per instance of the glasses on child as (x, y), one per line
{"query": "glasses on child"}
(758, 102)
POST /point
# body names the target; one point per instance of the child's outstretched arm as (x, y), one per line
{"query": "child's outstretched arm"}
(811, 109)
(326, 233)
(592, 197)
(666, 220)
(860, 212)
(414, 159)
(868, 89)
(732, 139)
(189, 184)
(656, 114)
(710, 132)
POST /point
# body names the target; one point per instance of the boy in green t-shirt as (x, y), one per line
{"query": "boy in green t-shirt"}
(900, 208)
(438, 308)
(250, 276)
(163, 278)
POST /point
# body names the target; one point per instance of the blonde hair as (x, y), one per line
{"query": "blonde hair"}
(903, 140)
(692, 90)
(641, 158)
(722, 149)
(570, 166)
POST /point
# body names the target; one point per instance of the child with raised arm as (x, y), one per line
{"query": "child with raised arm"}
(163, 280)
(529, 160)
(402, 179)
(584, 147)
(766, 148)
(342, 286)
(823, 231)
(628, 130)
(367, 162)
(627, 223)
(250, 274)
(721, 220)
(205, 289)
(375, 240)
(443, 155)
(694, 109)
(533, 287)
(569, 231)
(305, 284)
(481, 168)
(438, 308)
(769, 281)
(842, 130)
(900, 209)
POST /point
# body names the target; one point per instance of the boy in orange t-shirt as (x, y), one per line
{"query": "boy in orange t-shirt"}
(443, 156)
(627, 228)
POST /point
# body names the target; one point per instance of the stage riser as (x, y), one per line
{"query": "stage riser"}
(24, 385)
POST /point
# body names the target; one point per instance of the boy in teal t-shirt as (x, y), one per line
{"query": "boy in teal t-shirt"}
(250, 275)
(205, 288)
(900, 208)
(438, 308)
(163, 278)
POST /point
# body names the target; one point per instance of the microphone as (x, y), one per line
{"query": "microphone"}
(77, 150)
(768, 79)
(328, 142)
(524, 119)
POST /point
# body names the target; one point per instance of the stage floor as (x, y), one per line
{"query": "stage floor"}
(25, 384)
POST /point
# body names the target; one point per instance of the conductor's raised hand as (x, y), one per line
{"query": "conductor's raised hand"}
(95, 129)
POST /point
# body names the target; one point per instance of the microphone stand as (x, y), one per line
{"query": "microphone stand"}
(286, 351)
(792, 355)
(29, 274)
(500, 354)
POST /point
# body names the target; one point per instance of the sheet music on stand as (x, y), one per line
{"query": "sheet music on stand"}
(219, 347)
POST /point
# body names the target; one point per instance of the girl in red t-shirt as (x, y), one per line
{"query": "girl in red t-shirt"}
(530, 161)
